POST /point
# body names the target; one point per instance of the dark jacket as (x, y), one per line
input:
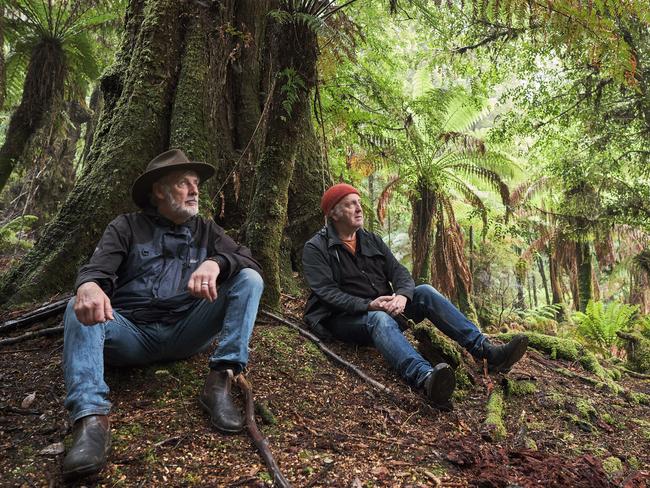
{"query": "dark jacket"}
(143, 262)
(342, 283)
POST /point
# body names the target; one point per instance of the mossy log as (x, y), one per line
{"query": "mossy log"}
(493, 428)
(559, 348)
(637, 348)
(436, 348)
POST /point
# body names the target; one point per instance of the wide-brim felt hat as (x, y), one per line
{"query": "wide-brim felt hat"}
(165, 163)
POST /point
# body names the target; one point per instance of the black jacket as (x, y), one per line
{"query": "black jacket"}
(143, 263)
(342, 283)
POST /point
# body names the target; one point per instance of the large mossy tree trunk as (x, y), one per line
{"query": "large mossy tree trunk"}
(3, 76)
(190, 75)
(294, 47)
(42, 89)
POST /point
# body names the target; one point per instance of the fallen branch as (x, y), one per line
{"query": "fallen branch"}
(19, 411)
(493, 428)
(30, 335)
(37, 315)
(328, 352)
(262, 444)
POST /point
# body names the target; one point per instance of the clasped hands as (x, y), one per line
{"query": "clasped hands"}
(391, 304)
(92, 306)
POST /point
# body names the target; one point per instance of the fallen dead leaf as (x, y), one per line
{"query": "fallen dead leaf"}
(53, 449)
(28, 400)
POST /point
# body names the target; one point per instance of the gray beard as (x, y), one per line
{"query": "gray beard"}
(179, 210)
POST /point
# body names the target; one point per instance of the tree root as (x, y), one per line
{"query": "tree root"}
(260, 442)
(328, 352)
(631, 396)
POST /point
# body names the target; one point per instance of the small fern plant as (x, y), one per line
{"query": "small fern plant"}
(598, 325)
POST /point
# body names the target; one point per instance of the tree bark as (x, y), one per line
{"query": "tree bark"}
(583, 264)
(3, 76)
(422, 221)
(194, 76)
(294, 51)
(542, 273)
(42, 88)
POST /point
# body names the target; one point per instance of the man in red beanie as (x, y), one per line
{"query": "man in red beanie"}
(358, 288)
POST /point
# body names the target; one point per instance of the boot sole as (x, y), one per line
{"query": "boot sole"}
(83, 471)
(443, 383)
(88, 469)
(221, 429)
(516, 355)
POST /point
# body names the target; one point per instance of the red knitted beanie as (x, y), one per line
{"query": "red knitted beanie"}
(334, 195)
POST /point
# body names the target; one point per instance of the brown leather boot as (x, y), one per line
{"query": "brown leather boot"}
(217, 401)
(91, 441)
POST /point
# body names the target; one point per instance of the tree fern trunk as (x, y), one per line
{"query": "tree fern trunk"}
(583, 264)
(42, 88)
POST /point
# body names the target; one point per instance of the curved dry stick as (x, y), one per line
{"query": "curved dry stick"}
(260, 442)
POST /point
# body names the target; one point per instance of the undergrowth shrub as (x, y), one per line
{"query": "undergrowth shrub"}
(598, 325)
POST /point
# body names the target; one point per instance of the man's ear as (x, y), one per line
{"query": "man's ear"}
(157, 191)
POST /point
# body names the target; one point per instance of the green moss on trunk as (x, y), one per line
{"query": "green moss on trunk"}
(133, 129)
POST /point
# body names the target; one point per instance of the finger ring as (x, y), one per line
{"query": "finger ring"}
(204, 283)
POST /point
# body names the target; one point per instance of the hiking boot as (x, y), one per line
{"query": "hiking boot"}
(439, 385)
(91, 441)
(217, 401)
(501, 358)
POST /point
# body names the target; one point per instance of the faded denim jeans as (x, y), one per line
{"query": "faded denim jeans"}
(381, 330)
(230, 319)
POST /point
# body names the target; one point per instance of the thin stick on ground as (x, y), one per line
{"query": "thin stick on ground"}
(37, 315)
(328, 352)
(260, 442)
(30, 335)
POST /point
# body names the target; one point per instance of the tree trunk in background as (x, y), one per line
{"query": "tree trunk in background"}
(423, 208)
(554, 278)
(294, 48)
(534, 286)
(172, 85)
(3, 75)
(51, 156)
(42, 89)
(371, 195)
(584, 271)
(520, 278)
(542, 273)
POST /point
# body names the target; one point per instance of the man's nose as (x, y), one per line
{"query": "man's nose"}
(194, 189)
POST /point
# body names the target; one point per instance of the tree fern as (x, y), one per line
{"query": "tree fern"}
(600, 322)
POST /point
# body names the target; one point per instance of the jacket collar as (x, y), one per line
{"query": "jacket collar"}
(366, 246)
(152, 212)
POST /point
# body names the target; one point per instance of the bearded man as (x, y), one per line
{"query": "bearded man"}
(161, 285)
(359, 289)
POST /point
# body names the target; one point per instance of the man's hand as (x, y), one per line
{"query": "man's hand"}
(379, 303)
(391, 304)
(92, 306)
(203, 282)
(395, 305)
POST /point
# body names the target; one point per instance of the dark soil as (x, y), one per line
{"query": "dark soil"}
(327, 427)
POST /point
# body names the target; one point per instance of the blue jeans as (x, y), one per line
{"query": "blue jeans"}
(119, 342)
(382, 331)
